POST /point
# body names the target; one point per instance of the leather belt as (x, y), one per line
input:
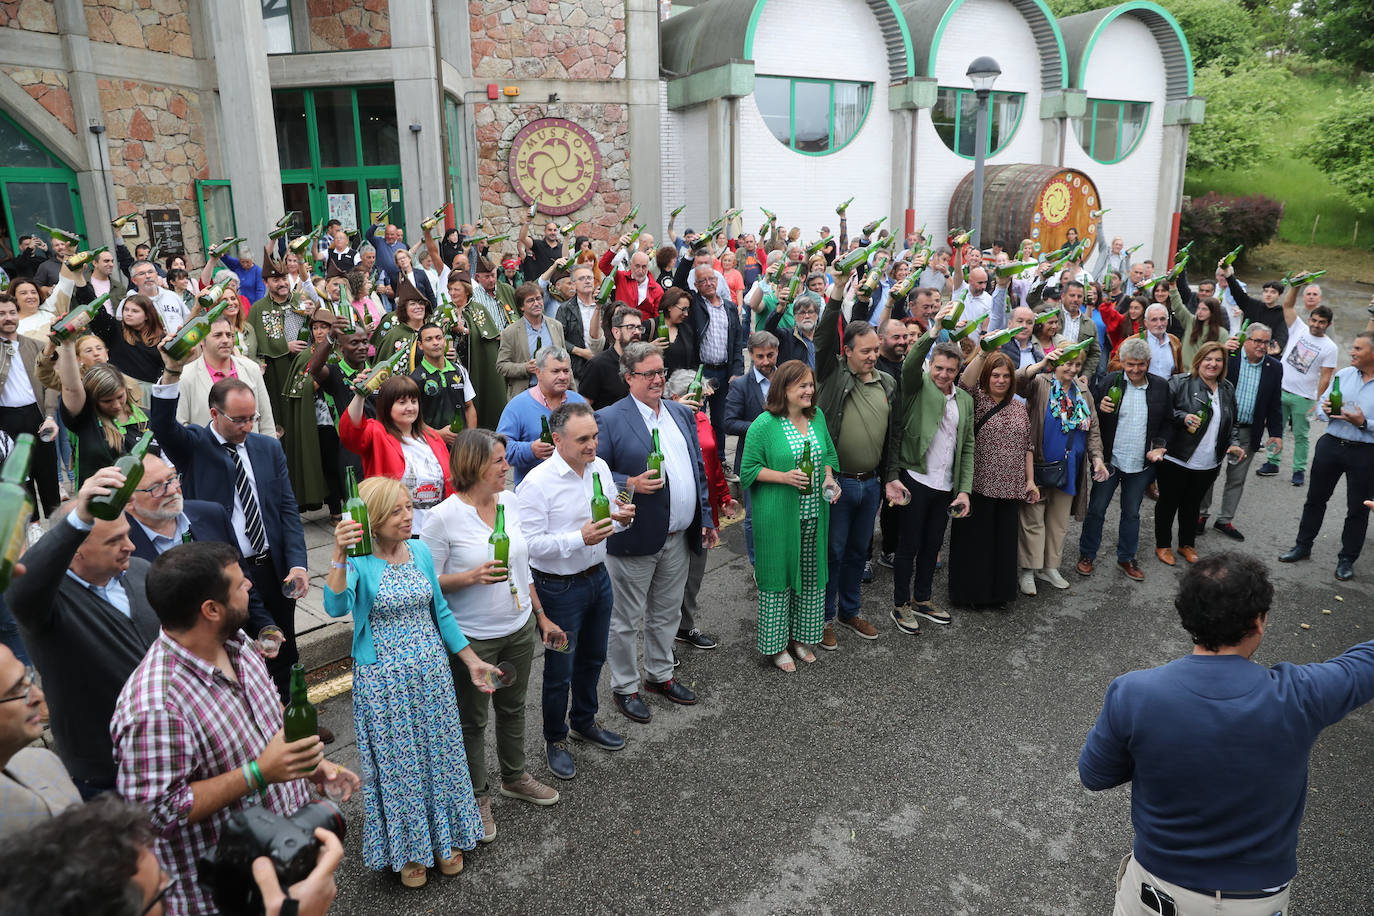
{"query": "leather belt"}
(866, 475)
(715, 366)
(261, 559)
(584, 574)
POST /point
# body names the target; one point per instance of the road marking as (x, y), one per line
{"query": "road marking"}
(327, 690)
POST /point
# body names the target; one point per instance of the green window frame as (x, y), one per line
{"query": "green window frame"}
(1100, 133)
(954, 112)
(840, 130)
(223, 190)
(22, 187)
(453, 126)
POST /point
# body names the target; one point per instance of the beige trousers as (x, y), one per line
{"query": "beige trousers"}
(1043, 526)
(1131, 876)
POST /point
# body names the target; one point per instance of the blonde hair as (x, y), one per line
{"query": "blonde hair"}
(105, 381)
(381, 495)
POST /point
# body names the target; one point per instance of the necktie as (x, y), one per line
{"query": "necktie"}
(252, 518)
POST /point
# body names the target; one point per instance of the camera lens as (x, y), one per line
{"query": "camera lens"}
(321, 813)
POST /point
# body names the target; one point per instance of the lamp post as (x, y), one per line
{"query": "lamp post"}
(982, 73)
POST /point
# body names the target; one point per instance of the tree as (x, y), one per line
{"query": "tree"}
(1340, 30)
(1243, 105)
(1342, 144)
(1218, 31)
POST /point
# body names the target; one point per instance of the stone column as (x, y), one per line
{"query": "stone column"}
(92, 174)
(641, 58)
(1173, 161)
(424, 184)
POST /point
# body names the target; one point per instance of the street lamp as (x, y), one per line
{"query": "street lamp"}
(982, 73)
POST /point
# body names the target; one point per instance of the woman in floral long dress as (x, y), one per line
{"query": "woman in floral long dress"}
(420, 810)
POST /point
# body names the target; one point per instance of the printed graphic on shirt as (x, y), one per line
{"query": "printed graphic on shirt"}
(1302, 353)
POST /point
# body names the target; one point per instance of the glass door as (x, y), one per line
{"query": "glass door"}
(35, 187)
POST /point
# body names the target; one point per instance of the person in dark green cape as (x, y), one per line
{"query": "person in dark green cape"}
(277, 323)
(311, 440)
(485, 317)
(413, 311)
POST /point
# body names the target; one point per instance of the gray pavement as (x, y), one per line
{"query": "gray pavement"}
(926, 775)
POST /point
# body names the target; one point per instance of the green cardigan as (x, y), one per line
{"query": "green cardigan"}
(776, 506)
(923, 406)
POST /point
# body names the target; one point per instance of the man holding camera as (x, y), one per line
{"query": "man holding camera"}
(202, 702)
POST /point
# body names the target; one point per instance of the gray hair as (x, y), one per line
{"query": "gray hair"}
(564, 412)
(365, 247)
(945, 348)
(762, 340)
(1134, 348)
(245, 252)
(807, 300)
(1156, 305)
(1259, 326)
(544, 354)
(635, 353)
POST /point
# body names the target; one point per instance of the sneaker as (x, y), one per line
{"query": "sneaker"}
(931, 612)
(1051, 576)
(867, 576)
(1299, 478)
(860, 626)
(1026, 582)
(828, 640)
(488, 822)
(560, 760)
(529, 789)
(695, 638)
(886, 559)
(1268, 469)
(906, 620)
(602, 737)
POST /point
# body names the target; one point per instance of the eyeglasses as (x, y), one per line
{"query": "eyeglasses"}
(627, 327)
(652, 374)
(161, 894)
(161, 488)
(26, 686)
(242, 421)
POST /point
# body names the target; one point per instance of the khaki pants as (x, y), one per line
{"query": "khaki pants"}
(1188, 903)
(1043, 526)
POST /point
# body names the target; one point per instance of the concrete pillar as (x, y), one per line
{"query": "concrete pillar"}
(1173, 160)
(92, 174)
(418, 103)
(903, 157)
(641, 71)
(236, 39)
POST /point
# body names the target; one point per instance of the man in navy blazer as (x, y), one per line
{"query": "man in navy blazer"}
(648, 563)
(1258, 380)
(712, 308)
(743, 402)
(268, 529)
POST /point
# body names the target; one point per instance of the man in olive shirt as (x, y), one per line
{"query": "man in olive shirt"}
(445, 388)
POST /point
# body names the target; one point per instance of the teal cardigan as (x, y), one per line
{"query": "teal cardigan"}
(364, 578)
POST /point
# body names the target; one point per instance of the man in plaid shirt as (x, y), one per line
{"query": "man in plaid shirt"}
(198, 727)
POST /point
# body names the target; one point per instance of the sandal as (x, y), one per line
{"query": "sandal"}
(803, 653)
(413, 874)
(453, 864)
(783, 661)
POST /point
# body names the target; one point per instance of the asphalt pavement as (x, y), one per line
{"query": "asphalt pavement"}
(917, 775)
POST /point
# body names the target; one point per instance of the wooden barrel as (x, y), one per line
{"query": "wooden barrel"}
(1025, 201)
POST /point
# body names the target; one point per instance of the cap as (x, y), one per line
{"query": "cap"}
(1052, 292)
(510, 264)
(406, 292)
(483, 266)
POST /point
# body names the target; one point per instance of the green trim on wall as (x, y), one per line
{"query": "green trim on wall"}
(732, 80)
(1091, 118)
(891, 4)
(959, 113)
(61, 174)
(792, 113)
(1124, 8)
(1049, 17)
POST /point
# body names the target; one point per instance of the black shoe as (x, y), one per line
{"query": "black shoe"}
(325, 734)
(603, 738)
(867, 575)
(1299, 478)
(696, 638)
(1295, 553)
(1202, 524)
(632, 707)
(560, 761)
(1229, 530)
(1345, 570)
(673, 690)
(1268, 469)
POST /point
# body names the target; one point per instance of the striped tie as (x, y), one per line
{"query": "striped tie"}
(252, 518)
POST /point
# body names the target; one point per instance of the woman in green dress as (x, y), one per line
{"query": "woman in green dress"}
(413, 310)
(794, 507)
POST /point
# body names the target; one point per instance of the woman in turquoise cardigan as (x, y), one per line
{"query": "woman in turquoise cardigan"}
(417, 793)
(794, 508)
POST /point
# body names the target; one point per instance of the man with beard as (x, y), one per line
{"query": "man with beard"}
(277, 326)
(800, 343)
(602, 383)
(894, 338)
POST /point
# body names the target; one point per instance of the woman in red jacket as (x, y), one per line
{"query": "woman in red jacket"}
(1120, 326)
(399, 445)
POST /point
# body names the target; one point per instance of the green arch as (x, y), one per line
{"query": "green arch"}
(1049, 20)
(910, 68)
(1156, 15)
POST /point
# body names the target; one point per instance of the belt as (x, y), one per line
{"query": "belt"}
(260, 559)
(1237, 895)
(1347, 443)
(866, 475)
(716, 365)
(584, 574)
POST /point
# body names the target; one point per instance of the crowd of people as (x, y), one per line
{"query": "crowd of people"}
(543, 452)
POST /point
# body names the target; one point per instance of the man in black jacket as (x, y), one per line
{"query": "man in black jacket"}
(1258, 378)
(1129, 430)
(743, 403)
(1269, 311)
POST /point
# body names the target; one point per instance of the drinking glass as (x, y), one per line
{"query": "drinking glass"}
(566, 648)
(270, 640)
(1272, 450)
(292, 589)
(503, 676)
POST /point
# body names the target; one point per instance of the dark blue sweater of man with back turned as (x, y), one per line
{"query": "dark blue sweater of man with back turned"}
(1216, 748)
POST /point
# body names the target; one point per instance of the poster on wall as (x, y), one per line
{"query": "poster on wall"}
(164, 231)
(343, 207)
(376, 202)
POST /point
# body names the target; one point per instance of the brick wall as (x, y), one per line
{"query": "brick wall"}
(30, 15)
(49, 89)
(548, 39)
(153, 25)
(349, 25)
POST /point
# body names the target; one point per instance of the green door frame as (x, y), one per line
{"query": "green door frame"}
(202, 183)
(60, 174)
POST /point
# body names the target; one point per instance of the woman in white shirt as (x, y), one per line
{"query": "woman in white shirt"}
(497, 609)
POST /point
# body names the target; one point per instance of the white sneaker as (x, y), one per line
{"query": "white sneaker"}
(1052, 577)
(1027, 582)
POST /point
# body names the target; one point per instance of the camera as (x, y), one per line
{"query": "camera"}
(252, 832)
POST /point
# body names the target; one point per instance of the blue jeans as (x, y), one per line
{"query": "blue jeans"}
(851, 529)
(1133, 488)
(582, 607)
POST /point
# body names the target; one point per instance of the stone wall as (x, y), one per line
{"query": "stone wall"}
(156, 140)
(349, 25)
(548, 39)
(29, 15)
(496, 127)
(152, 25)
(50, 89)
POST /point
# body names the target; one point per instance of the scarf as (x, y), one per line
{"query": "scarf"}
(1068, 408)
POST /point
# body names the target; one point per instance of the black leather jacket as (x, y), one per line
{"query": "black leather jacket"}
(1188, 394)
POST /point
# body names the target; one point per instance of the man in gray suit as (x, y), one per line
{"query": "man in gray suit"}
(83, 609)
(33, 784)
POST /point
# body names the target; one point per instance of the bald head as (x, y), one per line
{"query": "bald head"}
(639, 266)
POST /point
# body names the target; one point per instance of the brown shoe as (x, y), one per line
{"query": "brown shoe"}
(828, 640)
(488, 822)
(453, 865)
(1152, 490)
(1132, 570)
(860, 626)
(529, 789)
(1166, 556)
(1085, 566)
(1188, 554)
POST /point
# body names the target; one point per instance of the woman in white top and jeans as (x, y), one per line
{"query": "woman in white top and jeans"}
(496, 609)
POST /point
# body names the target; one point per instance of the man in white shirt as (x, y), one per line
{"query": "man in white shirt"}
(1309, 358)
(1165, 358)
(169, 305)
(978, 302)
(25, 405)
(568, 561)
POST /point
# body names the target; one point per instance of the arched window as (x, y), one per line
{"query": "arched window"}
(1111, 129)
(955, 113)
(812, 116)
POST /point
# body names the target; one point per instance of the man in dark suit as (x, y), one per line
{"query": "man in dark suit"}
(649, 562)
(743, 403)
(245, 473)
(720, 344)
(25, 405)
(83, 609)
(1258, 379)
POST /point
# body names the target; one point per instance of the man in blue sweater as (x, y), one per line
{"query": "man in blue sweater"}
(1216, 747)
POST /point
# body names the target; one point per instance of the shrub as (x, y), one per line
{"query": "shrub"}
(1217, 224)
(1342, 144)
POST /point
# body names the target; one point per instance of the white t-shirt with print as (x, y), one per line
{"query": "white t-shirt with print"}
(1304, 359)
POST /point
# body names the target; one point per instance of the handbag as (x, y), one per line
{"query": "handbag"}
(1054, 473)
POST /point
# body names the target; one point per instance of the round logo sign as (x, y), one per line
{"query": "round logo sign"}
(556, 164)
(1056, 200)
